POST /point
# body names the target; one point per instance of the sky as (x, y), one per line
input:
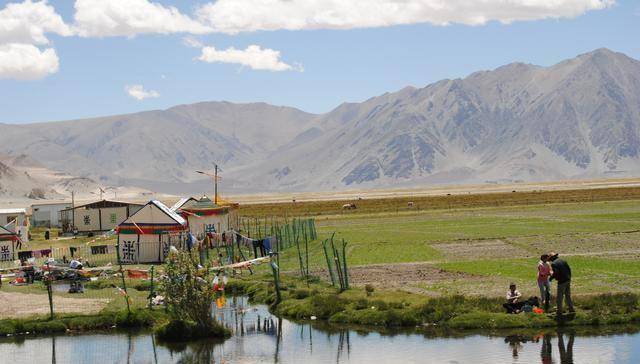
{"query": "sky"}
(72, 59)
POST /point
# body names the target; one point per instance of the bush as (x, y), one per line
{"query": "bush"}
(326, 305)
(181, 330)
(380, 305)
(91, 322)
(300, 293)
(621, 303)
(137, 318)
(6, 327)
(361, 304)
(48, 327)
(188, 290)
(176, 330)
(369, 289)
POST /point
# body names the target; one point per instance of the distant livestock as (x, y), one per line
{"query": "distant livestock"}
(349, 206)
(410, 204)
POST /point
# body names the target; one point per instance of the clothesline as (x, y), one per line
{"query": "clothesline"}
(245, 264)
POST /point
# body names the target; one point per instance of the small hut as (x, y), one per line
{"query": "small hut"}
(145, 237)
(8, 242)
(205, 216)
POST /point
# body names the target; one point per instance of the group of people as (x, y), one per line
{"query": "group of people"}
(550, 267)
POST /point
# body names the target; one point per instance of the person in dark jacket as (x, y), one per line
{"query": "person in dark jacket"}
(562, 274)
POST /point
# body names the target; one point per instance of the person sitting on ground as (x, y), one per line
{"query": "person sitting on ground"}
(544, 272)
(75, 264)
(561, 272)
(513, 296)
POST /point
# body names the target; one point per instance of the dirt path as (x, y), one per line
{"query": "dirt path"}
(404, 276)
(28, 304)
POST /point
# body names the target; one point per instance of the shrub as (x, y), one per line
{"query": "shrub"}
(361, 304)
(621, 303)
(176, 330)
(137, 318)
(325, 305)
(369, 289)
(380, 305)
(300, 293)
(188, 290)
(181, 330)
(6, 327)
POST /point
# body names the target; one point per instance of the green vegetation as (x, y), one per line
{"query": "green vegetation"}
(442, 202)
(189, 293)
(102, 321)
(400, 309)
(493, 245)
(444, 262)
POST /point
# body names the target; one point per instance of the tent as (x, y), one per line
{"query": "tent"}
(145, 236)
(207, 216)
(8, 241)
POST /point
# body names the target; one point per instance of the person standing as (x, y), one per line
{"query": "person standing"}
(561, 272)
(544, 273)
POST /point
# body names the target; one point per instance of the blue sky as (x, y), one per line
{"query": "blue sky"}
(319, 66)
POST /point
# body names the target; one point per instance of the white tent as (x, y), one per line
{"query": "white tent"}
(7, 245)
(145, 236)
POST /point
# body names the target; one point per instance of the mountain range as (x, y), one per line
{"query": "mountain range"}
(579, 118)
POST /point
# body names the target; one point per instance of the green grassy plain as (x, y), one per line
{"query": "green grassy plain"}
(475, 246)
(492, 246)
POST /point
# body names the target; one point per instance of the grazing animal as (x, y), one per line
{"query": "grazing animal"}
(410, 203)
(349, 206)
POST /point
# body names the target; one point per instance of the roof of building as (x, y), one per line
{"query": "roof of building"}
(181, 203)
(168, 211)
(105, 204)
(51, 203)
(13, 211)
(5, 231)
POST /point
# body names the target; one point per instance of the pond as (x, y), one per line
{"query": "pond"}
(263, 338)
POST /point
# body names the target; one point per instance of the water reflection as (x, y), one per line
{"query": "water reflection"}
(565, 353)
(262, 337)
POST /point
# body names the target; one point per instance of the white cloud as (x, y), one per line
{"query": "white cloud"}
(26, 62)
(254, 56)
(28, 23)
(101, 18)
(139, 93)
(233, 16)
(192, 42)
(23, 26)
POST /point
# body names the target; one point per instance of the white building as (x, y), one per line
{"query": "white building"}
(145, 236)
(97, 216)
(48, 214)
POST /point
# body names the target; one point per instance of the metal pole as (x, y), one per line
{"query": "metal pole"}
(215, 184)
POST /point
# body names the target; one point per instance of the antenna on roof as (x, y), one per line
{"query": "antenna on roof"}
(215, 178)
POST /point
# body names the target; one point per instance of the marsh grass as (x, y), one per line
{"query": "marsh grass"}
(402, 309)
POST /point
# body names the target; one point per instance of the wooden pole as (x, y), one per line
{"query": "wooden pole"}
(276, 281)
(344, 263)
(330, 269)
(50, 293)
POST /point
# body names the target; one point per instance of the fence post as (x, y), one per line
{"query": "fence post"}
(124, 284)
(345, 273)
(49, 292)
(152, 290)
(274, 269)
(326, 255)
